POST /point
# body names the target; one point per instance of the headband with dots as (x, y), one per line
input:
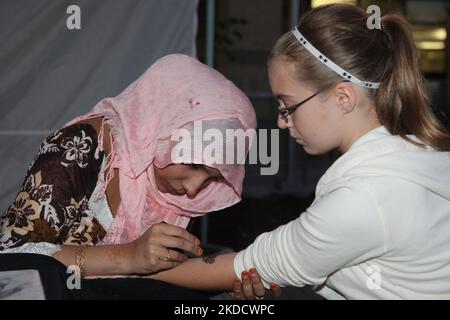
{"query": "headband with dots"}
(330, 64)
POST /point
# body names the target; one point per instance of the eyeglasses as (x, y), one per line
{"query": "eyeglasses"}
(285, 111)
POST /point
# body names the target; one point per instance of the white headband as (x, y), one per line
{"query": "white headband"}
(330, 64)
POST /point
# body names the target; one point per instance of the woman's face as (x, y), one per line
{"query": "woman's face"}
(317, 124)
(181, 179)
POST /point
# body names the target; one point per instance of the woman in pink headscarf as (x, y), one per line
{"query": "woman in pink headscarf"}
(107, 194)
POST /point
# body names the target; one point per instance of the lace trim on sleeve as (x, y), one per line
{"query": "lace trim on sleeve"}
(44, 248)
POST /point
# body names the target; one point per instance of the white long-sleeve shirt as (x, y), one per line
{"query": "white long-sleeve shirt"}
(378, 228)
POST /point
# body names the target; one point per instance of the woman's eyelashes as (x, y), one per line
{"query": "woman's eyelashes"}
(196, 166)
(211, 178)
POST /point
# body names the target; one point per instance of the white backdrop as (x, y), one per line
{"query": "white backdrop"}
(50, 74)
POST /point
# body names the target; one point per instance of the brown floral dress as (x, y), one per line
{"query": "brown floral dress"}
(53, 202)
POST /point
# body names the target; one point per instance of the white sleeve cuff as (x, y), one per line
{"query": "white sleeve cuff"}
(44, 248)
(242, 263)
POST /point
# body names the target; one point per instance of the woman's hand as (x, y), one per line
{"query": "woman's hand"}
(154, 250)
(251, 287)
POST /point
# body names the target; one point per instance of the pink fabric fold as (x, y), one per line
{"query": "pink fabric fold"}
(175, 91)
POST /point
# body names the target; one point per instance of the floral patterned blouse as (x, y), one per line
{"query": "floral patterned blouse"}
(53, 203)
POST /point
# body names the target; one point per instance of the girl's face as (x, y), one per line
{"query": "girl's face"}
(317, 124)
(181, 179)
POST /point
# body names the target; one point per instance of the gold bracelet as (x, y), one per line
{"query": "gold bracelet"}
(79, 260)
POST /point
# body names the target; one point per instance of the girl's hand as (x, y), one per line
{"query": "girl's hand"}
(251, 287)
(154, 250)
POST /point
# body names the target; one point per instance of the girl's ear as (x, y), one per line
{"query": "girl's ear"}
(345, 96)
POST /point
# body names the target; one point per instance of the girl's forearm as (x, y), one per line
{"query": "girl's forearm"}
(98, 260)
(207, 273)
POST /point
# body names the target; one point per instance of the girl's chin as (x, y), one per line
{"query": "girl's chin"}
(313, 152)
(307, 150)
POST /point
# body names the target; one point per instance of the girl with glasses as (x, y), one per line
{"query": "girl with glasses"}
(378, 227)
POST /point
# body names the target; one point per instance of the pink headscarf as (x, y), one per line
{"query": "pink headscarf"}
(175, 91)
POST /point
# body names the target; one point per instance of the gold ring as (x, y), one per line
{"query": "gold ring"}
(168, 258)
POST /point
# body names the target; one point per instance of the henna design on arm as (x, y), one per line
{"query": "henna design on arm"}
(209, 259)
